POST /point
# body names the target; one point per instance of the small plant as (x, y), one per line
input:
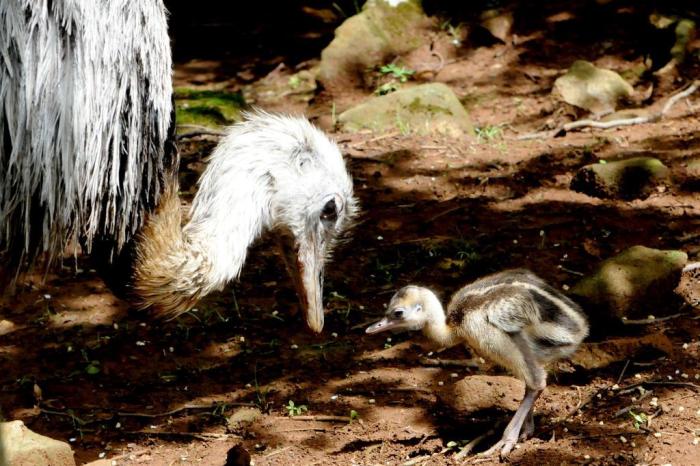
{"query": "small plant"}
(397, 72)
(488, 133)
(294, 410)
(354, 416)
(638, 419)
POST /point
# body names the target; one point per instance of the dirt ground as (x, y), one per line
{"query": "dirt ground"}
(77, 365)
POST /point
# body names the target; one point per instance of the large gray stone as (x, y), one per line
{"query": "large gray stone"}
(634, 284)
(590, 88)
(424, 109)
(19, 446)
(383, 30)
(625, 179)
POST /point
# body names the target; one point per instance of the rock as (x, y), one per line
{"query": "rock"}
(19, 446)
(383, 29)
(424, 109)
(590, 88)
(237, 456)
(207, 108)
(625, 179)
(602, 354)
(243, 418)
(477, 392)
(685, 34)
(688, 176)
(498, 23)
(634, 284)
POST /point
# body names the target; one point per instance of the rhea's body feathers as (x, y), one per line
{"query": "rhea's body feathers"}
(85, 113)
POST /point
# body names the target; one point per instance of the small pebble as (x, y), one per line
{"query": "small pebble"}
(334, 335)
(47, 296)
(242, 339)
(140, 343)
(371, 401)
(566, 429)
(678, 371)
(616, 387)
(565, 287)
(657, 434)
(637, 376)
(633, 445)
(684, 375)
(294, 346)
(669, 377)
(685, 345)
(72, 439)
(388, 340)
(623, 439)
(515, 241)
(696, 441)
(441, 383)
(601, 423)
(116, 326)
(379, 238)
(697, 376)
(651, 317)
(454, 375)
(118, 425)
(334, 397)
(102, 454)
(586, 457)
(681, 409)
(171, 349)
(248, 385)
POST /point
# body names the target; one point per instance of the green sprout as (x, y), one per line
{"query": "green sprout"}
(294, 410)
(638, 419)
(397, 72)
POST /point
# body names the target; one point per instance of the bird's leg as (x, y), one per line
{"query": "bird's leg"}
(528, 428)
(512, 430)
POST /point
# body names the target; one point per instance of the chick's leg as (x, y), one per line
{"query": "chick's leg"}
(512, 430)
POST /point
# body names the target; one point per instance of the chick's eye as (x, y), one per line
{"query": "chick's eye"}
(398, 313)
(330, 211)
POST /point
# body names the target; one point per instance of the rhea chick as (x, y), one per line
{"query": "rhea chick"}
(513, 318)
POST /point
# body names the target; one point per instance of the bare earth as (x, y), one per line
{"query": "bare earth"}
(435, 211)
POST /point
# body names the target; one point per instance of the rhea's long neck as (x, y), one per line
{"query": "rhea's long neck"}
(436, 328)
(176, 266)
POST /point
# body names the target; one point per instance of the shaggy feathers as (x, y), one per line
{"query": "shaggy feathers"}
(270, 172)
(85, 109)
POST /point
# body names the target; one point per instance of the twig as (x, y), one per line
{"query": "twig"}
(587, 123)
(128, 454)
(448, 362)
(622, 374)
(197, 435)
(304, 429)
(662, 383)
(572, 272)
(276, 452)
(464, 451)
(690, 267)
(181, 408)
(651, 320)
(321, 418)
(417, 460)
(610, 434)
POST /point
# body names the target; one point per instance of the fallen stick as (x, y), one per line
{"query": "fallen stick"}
(588, 123)
(197, 435)
(448, 362)
(321, 418)
(651, 320)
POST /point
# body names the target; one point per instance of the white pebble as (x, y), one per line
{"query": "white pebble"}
(697, 376)
(454, 375)
(116, 326)
(242, 339)
(140, 343)
(72, 439)
(379, 238)
(684, 375)
(334, 397)
(657, 434)
(651, 317)
(565, 287)
(334, 335)
(616, 387)
(143, 324)
(685, 345)
(696, 440)
(441, 383)
(678, 371)
(637, 376)
(294, 346)
(566, 429)
(118, 425)
(371, 401)
(171, 349)
(248, 385)
(47, 296)
(515, 241)
(623, 439)
(601, 423)
(681, 409)
(102, 454)
(388, 340)
(586, 457)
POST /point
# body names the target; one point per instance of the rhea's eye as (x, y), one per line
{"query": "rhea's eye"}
(397, 314)
(329, 212)
(418, 308)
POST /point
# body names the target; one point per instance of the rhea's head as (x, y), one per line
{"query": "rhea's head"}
(409, 309)
(282, 174)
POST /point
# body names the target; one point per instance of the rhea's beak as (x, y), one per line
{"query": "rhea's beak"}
(383, 325)
(305, 258)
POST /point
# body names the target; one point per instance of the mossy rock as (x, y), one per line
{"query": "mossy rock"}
(208, 108)
(424, 109)
(591, 88)
(685, 33)
(624, 179)
(636, 283)
(381, 30)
